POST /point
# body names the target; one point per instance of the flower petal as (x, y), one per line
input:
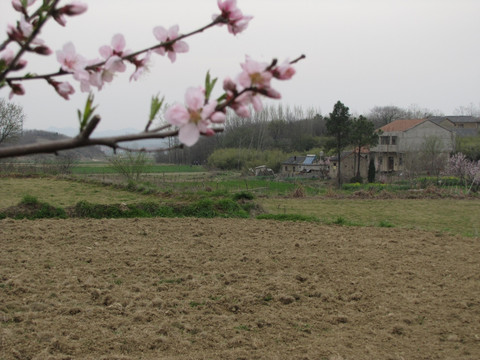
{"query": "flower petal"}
(189, 134)
(177, 115)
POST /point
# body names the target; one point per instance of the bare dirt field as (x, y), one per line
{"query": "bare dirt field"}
(235, 289)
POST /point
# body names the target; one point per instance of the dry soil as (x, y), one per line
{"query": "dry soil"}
(235, 289)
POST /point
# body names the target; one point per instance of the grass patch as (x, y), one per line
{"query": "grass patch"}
(63, 193)
(385, 224)
(106, 168)
(205, 208)
(455, 216)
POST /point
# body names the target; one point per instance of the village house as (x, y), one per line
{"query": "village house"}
(304, 165)
(460, 125)
(402, 138)
(349, 165)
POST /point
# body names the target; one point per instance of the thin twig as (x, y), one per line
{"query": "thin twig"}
(125, 57)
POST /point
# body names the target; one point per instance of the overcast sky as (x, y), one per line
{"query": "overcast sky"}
(364, 53)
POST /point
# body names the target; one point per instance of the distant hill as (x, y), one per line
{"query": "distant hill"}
(88, 153)
(148, 144)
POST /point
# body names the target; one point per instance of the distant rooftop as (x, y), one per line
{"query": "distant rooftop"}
(401, 125)
(309, 159)
(456, 119)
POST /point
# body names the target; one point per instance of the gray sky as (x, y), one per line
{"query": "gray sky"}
(364, 53)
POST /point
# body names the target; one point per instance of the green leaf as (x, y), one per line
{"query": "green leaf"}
(87, 113)
(155, 107)
(221, 98)
(209, 85)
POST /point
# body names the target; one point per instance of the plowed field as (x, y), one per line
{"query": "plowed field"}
(235, 289)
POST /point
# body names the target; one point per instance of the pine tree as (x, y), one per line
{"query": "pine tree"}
(371, 171)
(339, 126)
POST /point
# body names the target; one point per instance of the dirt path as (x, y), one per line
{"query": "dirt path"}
(235, 289)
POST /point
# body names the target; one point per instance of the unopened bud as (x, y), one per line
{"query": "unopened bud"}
(42, 50)
(17, 89)
(229, 85)
(19, 65)
(76, 8)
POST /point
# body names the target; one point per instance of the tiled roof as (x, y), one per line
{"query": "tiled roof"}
(295, 160)
(401, 125)
(455, 119)
(463, 119)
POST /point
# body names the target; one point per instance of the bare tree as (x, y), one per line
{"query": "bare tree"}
(433, 155)
(468, 110)
(130, 165)
(11, 121)
(383, 115)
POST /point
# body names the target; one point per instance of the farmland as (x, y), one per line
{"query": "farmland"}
(365, 278)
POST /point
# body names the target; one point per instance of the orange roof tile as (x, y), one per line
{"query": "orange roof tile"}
(401, 125)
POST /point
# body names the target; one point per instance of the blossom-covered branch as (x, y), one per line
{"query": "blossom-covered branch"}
(200, 115)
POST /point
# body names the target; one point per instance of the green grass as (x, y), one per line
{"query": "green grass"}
(232, 198)
(105, 168)
(63, 193)
(444, 215)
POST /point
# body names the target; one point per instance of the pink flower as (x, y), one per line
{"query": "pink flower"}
(232, 16)
(284, 71)
(238, 104)
(254, 74)
(171, 34)
(118, 45)
(7, 56)
(141, 65)
(195, 118)
(113, 55)
(70, 60)
(112, 65)
(64, 89)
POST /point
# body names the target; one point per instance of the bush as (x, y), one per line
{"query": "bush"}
(357, 179)
(243, 195)
(244, 159)
(31, 208)
(29, 200)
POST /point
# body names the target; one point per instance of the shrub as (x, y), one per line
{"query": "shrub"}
(29, 200)
(357, 179)
(243, 195)
(238, 159)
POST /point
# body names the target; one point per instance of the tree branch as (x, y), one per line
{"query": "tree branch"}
(83, 140)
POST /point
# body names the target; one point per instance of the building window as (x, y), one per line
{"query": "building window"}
(400, 161)
(385, 140)
(394, 140)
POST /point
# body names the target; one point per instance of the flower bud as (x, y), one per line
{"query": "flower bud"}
(19, 65)
(75, 8)
(17, 89)
(42, 50)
